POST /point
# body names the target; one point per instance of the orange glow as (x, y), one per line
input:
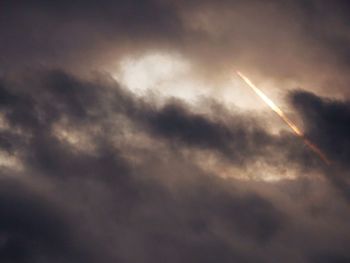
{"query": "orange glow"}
(280, 113)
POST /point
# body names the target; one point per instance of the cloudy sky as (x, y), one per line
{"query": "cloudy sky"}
(127, 136)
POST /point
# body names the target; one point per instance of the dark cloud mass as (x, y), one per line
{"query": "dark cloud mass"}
(91, 171)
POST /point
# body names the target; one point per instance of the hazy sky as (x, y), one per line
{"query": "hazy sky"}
(126, 135)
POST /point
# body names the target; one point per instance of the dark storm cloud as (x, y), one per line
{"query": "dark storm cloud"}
(241, 139)
(327, 122)
(159, 222)
(128, 211)
(33, 228)
(55, 95)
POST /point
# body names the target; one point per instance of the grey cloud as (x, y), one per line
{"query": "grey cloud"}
(327, 122)
(162, 207)
(133, 195)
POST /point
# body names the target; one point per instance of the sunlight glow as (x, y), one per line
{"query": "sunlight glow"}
(166, 75)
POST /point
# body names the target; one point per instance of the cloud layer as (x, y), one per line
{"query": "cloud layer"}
(105, 178)
(92, 172)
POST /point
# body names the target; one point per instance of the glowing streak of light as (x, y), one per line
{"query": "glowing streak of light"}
(280, 113)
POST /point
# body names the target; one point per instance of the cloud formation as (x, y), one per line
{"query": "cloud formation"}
(92, 172)
(99, 197)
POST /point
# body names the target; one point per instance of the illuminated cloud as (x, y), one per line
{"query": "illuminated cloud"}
(124, 136)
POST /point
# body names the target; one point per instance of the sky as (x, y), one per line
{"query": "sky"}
(127, 136)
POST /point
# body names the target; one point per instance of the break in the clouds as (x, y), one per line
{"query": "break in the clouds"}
(125, 136)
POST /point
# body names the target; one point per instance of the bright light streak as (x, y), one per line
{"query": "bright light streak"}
(281, 114)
